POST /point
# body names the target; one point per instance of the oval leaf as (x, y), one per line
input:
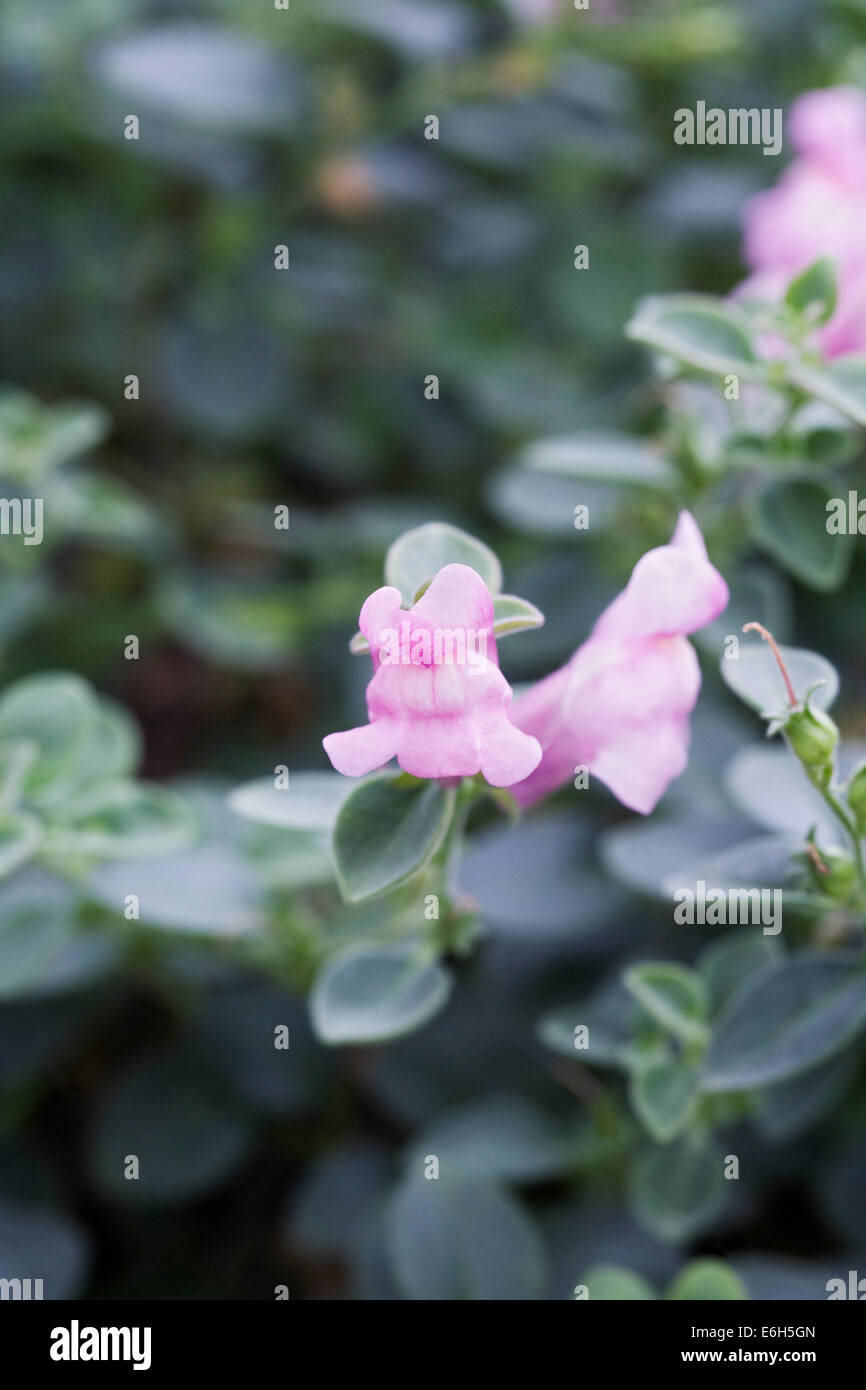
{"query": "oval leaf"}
(310, 802)
(755, 677)
(603, 456)
(789, 522)
(614, 1282)
(707, 1278)
(414, 558)
(664, 1094)
(789, 1018)
(677, 1190)
(675, 996)
(371, 993)
(186, 1142)
(841, 383)
(512, 614)
(462, 1239)
(386, 830)
(700, 331)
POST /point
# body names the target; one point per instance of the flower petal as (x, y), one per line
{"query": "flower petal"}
(359, 751)
(639, 765)
(620, 706)
(437, 700)
(457, 597)
(507, 754)
(673, 589)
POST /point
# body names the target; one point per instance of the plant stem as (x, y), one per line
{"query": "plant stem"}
(847, 820)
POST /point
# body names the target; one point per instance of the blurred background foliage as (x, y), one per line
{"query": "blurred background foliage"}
(305, 388)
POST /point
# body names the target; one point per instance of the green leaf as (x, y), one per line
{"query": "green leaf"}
(42, 951)
(543, 504)
(615, 1282)
(459, 1239)
(755, 677)
(813, 291)
(414, 558)
(789, 1018)
(675, 996)
(110, 749)
(163, 1111)
(35, 439)
(612, 1019)
(20, 837)
(664, 1095)
(677, 1190)
(512, 614)
(386, 831)
(234, 1029)
(539, 903)
(789, 522)
(500, 1136)
(769, 784)
(761, 862)
(647, 855)
(294, 860)
(38, 1242)
(728, 963)
(841, 383)
(102, 508)
(601, 456)
(797, 1105)
(329, 1208)
(58, 714)
(707, 1279)
(310, 802)
(700, 331)
(122, 820)
(211, 889)
(370, 993)
(113, 745)
(249, 626)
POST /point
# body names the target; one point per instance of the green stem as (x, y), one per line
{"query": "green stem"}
(447, 857)
(841, 814)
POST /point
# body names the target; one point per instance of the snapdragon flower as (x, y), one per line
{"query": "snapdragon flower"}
(437, 701)
(620, 707)
(817, 208)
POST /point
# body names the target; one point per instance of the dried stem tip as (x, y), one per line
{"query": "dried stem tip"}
(768, 637)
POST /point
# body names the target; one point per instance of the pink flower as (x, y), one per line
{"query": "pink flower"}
(437, 701)
(621, 705)
(817, 208)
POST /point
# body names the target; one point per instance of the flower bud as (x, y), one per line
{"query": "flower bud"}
(837, 874)
(813, 737)
(857, 795)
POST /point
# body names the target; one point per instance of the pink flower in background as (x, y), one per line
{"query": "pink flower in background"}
(817, 208)
(437, 701)
(621, 705)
